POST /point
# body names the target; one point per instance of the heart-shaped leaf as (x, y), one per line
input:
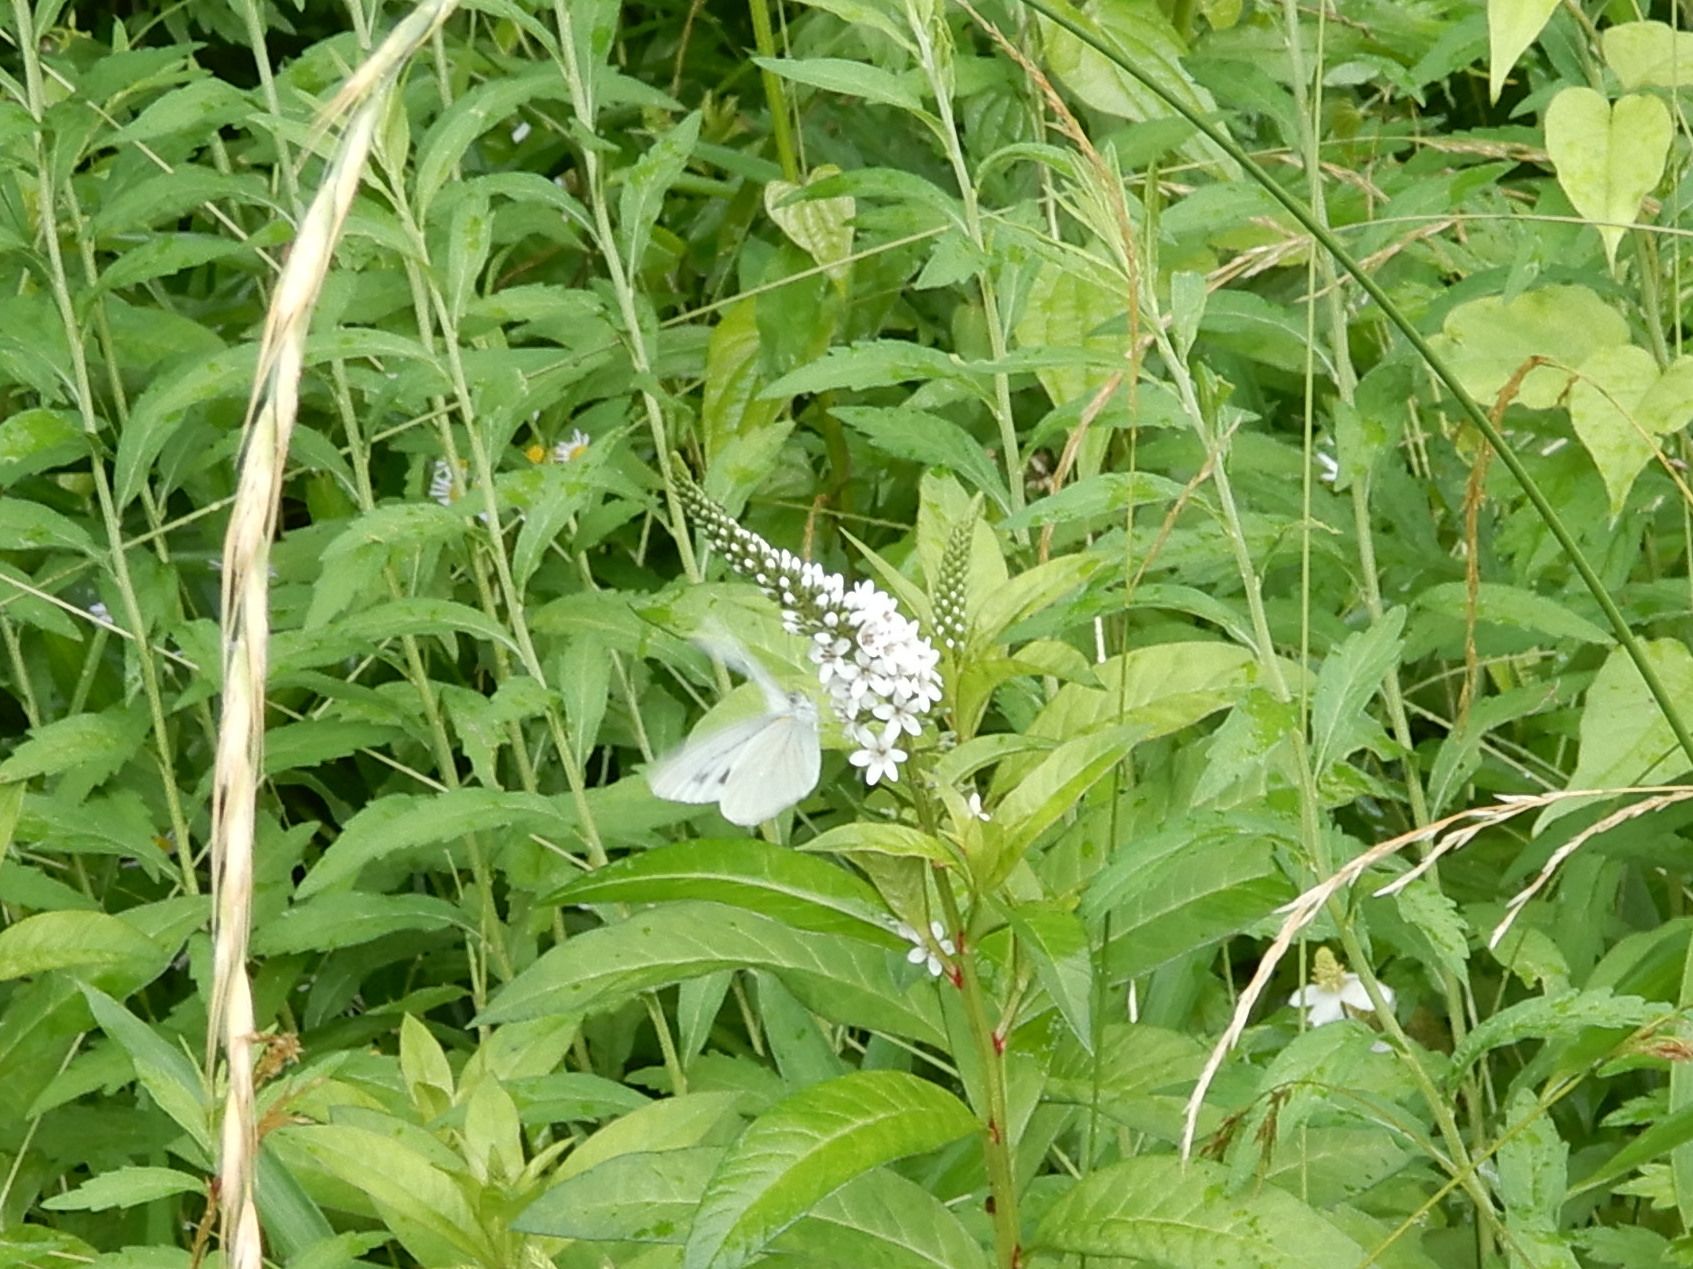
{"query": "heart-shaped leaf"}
(1649, 54)
(820, 227)
(1620, 404)
(1607, 157)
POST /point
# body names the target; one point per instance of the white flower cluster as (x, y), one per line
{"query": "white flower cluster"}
(875, 663)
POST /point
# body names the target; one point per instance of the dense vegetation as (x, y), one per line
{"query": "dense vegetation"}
(1214, 473)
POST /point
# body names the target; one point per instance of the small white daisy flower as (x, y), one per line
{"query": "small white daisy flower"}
(571, 447)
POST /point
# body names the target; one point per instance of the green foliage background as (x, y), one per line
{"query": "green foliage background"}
(965, 302)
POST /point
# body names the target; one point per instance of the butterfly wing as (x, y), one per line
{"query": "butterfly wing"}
(716, 640)
(775, 768)
(701, 769)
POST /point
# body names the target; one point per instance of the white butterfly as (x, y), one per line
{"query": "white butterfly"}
(753, 769)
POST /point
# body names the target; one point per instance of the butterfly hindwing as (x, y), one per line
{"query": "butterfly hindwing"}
(774, 769)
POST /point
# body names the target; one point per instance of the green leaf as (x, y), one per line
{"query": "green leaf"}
(29, 526)
(81, 941)
(1512, 26)
(98, 744)
(407, 1188)
(163, 256)
(38, 440)
(880, 1217)
(642, 1198)
(1552, 1017)
(333, 921)
(1488, 341)
(810, 1144)
(921, 437)
(1625, 739)
(1505, 605)
(403, 822)
(1032, 591)
(1620, 404)
(1649, 55)
(1534, 1177)
(1056, 944)
(799, 890)
(877, 363)
(1108, 494)
(125, 1187)
(1189, 886)
(898, 840)
(1349, 680)
(352, 563)
(162, 1068)
(604, 967)
(164, 405)
(1158, 1209)
(857, 79)
(1608, 158)
(646, 183)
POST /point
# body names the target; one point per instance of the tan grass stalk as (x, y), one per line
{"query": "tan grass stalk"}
(246, 620)
(1449, 834)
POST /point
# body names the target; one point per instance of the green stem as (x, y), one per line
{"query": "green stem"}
(996, 1144)
(781, 131)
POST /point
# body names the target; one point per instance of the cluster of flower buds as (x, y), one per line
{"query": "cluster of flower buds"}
(877, 667)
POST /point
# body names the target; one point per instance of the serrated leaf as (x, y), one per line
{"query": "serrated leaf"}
(1552, 1017)
(333, 921)
(407, 821)
(1187, 1216)
(1349, 680)
(29, 526)
(921, 437)
(162, 1069)
(1110, 493)
(99, 743)
(124, 1187)
(810, 1144)
(604, 967)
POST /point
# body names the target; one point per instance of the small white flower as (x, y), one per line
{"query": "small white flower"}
(975, 806)
(571, 447)
(924, 949)
(520, 134)
(1332, 992)
(100, 613)
(878, 757)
